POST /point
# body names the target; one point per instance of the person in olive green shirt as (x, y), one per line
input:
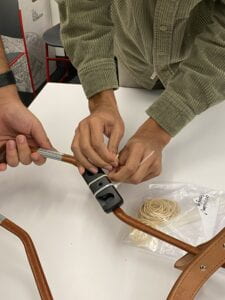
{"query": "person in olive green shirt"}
(178, 43)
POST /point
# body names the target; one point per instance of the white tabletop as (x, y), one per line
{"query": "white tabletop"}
(80, 247)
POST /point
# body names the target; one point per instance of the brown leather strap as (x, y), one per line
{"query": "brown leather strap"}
(198, 265)
(154, 232)
(32, 256)
(200, 269)
(183, 262)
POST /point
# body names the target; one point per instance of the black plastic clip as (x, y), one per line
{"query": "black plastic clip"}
(103, 190)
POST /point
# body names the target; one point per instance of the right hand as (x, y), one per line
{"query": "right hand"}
(88, 144)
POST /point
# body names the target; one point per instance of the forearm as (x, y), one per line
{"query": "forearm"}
(4, 67)
(199, 81)
(87, 36)
(9, 92)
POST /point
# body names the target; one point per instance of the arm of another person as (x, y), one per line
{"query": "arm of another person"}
(198, 84)
(87, 35)
(19, 128)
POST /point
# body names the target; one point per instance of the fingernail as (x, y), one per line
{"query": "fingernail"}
(81, 170)
(21, 139)
(11, 145)
(3, 167)
(35, 156)
(109, 168)
(93, 170)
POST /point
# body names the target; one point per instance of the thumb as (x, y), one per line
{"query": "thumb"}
(39, 136)
(114, 140)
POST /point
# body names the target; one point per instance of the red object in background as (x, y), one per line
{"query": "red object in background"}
(52, 38)
(21, 54)
(47, 59)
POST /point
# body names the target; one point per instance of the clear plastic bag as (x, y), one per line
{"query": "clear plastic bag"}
(201, 215)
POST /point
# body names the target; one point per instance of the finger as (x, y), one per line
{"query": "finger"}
(156, 170)
(121, 159)
(81, 170)
(23, 148)
(144, 169)
(39, 135)
(11, 154)
(82, 161)
(3, 167)
(123, 156)
(88, 151)
(114, 139)
(135, 155)
(97, 141)
(150, 176)
(38, 159)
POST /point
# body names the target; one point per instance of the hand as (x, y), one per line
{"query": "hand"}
(19, 129)
(88, 144)
(140, 160)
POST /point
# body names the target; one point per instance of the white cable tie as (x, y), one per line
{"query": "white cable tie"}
(149, 155)
(96, 179)
(103, 188)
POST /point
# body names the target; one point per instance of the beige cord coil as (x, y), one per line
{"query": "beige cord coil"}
(154, 212)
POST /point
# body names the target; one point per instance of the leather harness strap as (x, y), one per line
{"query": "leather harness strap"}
(197, 265)
(198, 271)
(197, 268)
(183, 262)
(32, 256)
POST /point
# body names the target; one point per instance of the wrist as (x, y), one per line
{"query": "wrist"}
(9, 94)
(103, 99)
(152, 128)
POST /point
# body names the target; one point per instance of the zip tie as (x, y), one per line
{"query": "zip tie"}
(103, 188)
(97, 179)
(147, 157)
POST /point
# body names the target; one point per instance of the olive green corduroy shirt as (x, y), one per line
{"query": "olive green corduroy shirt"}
(182, 42)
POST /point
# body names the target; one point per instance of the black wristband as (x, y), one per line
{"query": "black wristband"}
(7, 79)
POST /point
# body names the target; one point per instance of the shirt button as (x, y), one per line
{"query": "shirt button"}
(163, 28)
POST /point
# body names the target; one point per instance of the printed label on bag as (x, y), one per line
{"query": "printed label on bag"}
(208, 209)
(202, 203)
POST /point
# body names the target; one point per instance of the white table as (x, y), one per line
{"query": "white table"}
(80, 247)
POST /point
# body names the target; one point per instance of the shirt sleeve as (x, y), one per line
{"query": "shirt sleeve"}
(87, 36)
(199, 81)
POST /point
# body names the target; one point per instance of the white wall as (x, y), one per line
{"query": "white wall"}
(36, 16)
(55, 20)
(55, 12)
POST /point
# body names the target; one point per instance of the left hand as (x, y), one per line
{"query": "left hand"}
(141, 158)
(19, 129)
